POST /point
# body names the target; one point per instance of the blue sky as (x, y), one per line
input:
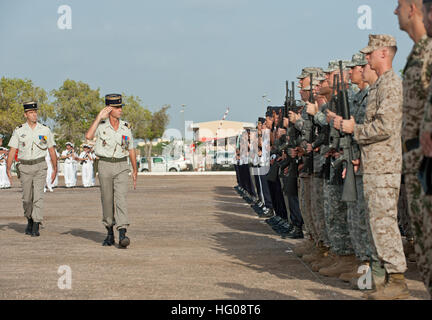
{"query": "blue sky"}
(207, 54)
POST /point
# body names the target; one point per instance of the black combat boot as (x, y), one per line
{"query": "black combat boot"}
(296, 233)
(35, 229)
(109, 240)
(29, 228)
(123, 240)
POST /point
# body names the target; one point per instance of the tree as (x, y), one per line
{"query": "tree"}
(145, 124)
(76, 107)
(13, 93)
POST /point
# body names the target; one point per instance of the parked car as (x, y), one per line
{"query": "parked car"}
(159, 164)
(223, 161)
(182, 162)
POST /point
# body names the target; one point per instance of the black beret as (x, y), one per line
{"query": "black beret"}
(262, 120)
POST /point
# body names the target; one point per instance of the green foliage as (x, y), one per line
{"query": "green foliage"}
(13, 93)
(76, 106)
(73, 110)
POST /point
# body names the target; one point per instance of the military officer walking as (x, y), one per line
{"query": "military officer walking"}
(114, 143)
(33, 140)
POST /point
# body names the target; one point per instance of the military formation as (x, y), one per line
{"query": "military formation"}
(347, 168)
(330, 168)
(32, 147)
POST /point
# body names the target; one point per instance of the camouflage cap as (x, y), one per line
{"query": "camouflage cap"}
(358, 59)
(332, 66)
(377, 41)
(316, 72)
(305, 72)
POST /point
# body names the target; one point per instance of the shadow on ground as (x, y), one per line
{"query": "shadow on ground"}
(270, 255)
(86, 234)
(240, 292)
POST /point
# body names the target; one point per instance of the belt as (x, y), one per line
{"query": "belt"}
(31, 162)
(411, 144)
(114, 160)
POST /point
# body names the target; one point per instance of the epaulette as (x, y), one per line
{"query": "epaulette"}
(127, 125)
(18, 127)
(103, 121)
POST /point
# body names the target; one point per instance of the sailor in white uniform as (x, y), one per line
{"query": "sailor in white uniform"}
(70, 165)
(4, 180)
(86, 158)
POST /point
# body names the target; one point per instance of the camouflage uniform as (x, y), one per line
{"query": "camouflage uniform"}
(357, 212)
(305, 196)
(416, 79)
(381, 153)
(308, 200)
(337, 211)
(425, 201)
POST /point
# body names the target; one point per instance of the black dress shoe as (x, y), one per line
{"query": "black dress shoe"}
(29, 227)
(35, 229)
(123, 240)
(109, 240)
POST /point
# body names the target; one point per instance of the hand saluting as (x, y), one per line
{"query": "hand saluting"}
(104, 113)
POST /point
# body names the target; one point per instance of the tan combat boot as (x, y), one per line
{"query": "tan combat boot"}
(303, 248)
(315, 254)
(395, 288)
(354, 274)
(327, 260)
(344, 264)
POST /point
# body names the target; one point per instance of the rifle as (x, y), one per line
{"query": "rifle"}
(309, 131)
(349, 193)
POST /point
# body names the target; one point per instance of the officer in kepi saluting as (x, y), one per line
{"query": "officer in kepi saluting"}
(33, 140)
(114, 143)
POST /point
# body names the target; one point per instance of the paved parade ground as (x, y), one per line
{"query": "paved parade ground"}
(192, 237)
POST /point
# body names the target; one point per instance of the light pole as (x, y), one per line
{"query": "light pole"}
(183, 129)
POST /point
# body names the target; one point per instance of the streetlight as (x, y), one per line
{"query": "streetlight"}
(183, 129)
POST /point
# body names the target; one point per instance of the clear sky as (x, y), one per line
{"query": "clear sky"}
(206, 54)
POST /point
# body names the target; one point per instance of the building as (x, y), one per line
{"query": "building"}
(209, 131)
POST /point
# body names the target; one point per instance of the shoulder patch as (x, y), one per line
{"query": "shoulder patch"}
(103, 121)
(127, 125)
(18, 127)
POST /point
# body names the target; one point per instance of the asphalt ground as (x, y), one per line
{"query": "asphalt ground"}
(192, 238)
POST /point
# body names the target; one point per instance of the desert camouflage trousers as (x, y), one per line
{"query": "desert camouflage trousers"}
(381, 193)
